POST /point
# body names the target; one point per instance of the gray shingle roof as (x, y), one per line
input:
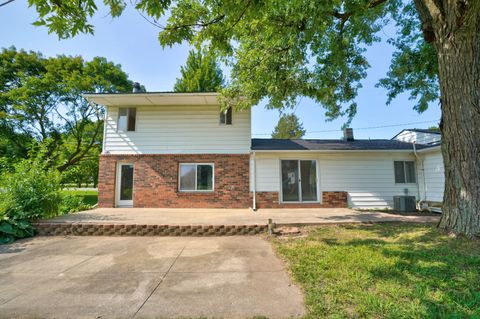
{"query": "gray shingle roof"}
(259, 144)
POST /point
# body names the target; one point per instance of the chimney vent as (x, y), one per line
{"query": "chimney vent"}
(137, 88)
(348, 134)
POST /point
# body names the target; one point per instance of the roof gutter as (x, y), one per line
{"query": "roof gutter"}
(333, 151)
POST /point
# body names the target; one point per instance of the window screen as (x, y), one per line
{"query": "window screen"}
(127, 119)
(404, 172)
(226, 116)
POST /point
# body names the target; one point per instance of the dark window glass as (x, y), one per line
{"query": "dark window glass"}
(204, 177)
(399, 172)
(290, 185)
(308, 174)
(132, 114)
(126, 182)
(410, 172)
(226, 116)
(405, 172)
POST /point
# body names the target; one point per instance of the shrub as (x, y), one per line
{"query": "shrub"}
(29, 192)
(72, 204)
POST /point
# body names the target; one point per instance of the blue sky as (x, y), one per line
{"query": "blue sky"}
(132, 42)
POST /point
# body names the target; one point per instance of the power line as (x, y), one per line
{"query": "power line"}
(361, 128)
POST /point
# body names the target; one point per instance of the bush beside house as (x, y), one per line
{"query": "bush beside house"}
(31, 191)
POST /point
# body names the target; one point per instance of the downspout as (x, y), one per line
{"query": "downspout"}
(254, 183)
(423, 173)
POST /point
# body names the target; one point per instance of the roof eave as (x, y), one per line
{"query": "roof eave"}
(334, 151)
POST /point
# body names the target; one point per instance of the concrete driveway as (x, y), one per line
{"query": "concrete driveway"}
(145, 277)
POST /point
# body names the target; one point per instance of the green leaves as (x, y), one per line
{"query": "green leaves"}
(281, 50)
(200, 74)
(288, 127)
(41, 103)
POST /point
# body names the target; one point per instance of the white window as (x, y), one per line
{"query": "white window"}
(404, 172)
(126, 119)
(226, 117)
(195, 177)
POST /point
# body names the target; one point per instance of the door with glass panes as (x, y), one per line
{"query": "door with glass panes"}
(124, 187)
(299, 181)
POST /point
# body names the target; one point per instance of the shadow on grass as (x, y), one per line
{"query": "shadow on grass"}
(407, 271)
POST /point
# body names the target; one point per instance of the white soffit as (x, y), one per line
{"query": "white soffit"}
(133, 99)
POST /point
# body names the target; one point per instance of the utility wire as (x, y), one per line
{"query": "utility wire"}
(359, 128)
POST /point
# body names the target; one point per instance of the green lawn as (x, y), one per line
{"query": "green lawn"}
(89, 197)
(385, 271)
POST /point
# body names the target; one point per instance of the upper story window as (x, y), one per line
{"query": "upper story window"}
(404, 172)
(126, 119)
(226, 117)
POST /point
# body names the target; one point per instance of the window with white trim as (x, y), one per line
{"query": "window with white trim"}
(226, 116)
(404, 172)
(196, 177)
(126, 119)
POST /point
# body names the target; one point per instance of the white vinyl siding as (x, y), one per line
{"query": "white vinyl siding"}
(432, 176)
(179, 130)
(368, 178)
(418, 137)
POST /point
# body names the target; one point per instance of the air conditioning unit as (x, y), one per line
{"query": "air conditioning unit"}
(404, 203)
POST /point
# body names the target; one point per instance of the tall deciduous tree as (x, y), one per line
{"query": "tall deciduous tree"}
(280, 50)
(42, 98)
(288, 127)
(201, 73)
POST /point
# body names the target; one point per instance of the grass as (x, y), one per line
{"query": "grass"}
(385, 271)
(89, 197)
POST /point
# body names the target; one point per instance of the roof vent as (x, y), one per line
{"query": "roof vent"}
(137, 88)
(348, 134)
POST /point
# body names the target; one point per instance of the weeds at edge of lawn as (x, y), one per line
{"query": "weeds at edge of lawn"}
(89, 197)
(385, 271)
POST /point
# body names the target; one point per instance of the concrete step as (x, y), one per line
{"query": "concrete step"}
(99, 229)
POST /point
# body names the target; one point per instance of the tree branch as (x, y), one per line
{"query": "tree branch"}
(345, 15)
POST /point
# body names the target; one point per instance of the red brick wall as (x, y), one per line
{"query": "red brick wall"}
(329, 200)
(156, 181)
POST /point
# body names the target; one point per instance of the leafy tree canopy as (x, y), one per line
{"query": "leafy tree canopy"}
(288, 127)
(201, 73)
(41, 102)
(281, 50)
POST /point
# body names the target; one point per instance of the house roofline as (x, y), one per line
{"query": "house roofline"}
(333, 151)
(153, 98)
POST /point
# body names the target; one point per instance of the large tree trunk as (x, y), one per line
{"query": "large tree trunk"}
(453, 27)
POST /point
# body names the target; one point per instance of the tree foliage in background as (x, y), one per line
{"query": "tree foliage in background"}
(288, 127)
(281, 50)
(41, 104)
(201, 73)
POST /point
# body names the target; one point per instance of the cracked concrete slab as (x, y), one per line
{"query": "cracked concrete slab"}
(145, 277)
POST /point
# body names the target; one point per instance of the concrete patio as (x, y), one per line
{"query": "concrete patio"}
(140, 277)
(199, 216)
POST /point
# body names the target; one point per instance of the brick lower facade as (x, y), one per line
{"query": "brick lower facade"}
(155, 181)
(329, 200)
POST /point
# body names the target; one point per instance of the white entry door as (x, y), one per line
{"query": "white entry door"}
(124, 187)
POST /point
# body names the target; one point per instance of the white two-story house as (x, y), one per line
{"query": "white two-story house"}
(179, 150)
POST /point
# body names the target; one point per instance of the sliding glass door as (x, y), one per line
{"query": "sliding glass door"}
(299, 180)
